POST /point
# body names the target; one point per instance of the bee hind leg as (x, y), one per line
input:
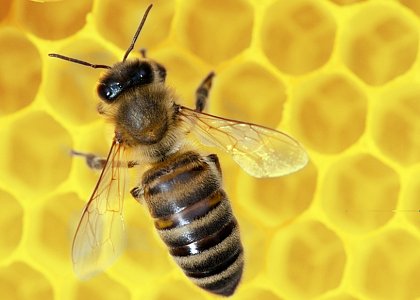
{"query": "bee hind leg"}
(202, 93)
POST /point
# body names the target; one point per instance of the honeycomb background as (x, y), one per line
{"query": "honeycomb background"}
(342, 76)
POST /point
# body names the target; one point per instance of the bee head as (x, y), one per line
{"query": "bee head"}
(127, 75)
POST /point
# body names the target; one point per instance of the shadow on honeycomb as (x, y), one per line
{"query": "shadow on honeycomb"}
(341, 76)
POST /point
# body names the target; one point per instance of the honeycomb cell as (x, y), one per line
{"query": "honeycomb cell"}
(53, 20)
(21, 282)
(256, 293)
(248, 92)
(176, 289)
(339, 296)
(146, 258)
(411, 201)
(70, 88)
(11, 224)
(414, 5)
(387, 266)
(306, 260)
(278, 200)
(329, 112)
(381, 43)
(255, 239)
(396, 129)
(184, 74)
(22, 61)
(117, 23)
(347, 2)
(55, 228)
(216, 30)
(4, 8)
(101, 287)
(359, 193)
(38, 156)
(298, 36)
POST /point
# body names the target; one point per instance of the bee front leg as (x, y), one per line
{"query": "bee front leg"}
(93, 161)
(97, 162)
(143, 52)
(202, 93)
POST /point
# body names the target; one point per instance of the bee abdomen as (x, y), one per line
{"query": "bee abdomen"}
(194, 218)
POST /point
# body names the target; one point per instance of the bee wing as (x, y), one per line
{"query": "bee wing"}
(100, 236)
(260, 151)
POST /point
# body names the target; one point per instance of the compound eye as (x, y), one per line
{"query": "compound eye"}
(142, 75)
(161, 72)
(109, 91)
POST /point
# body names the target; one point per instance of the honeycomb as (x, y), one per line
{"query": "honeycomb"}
(341, 76)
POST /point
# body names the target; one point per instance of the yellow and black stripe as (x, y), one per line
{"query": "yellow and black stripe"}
(194, 218)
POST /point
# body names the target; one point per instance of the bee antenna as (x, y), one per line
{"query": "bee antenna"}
(136, 35)
(78, 61)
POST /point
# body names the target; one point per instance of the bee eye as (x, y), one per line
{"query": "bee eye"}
(142, 75)
(109, 91)
(161, 72)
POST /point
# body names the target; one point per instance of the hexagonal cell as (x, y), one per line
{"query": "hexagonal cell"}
(184, 73)
(275, 201)
(230, 21)
(20, 281)
(359, 193)
(20, 58)
(340, 296)
(329, 112)
(54, 230)
(411, 202)
(301, 255)
(252, 293)
(117, 23)
(36, 152)
(387, 266)
(101, 287)
(347, 2)
(255, 240)
(395, 123)
(298, 36)
(95, 139)
(249, 92)
(4, 8)
(146, 257)
(176, 289)
(414, 5)
(375, 39)
(70, 88)
(53, 20)
(11, 224)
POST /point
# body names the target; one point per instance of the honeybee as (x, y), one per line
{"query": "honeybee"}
(181, 187)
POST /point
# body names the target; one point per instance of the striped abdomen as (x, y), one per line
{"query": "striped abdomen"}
(194, 218)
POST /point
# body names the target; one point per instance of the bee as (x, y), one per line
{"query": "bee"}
(181, 187)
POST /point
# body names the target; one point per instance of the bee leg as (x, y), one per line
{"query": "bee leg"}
(137, 194)
(96, 162)
(202, 93)
(93, 161)
(143, 52)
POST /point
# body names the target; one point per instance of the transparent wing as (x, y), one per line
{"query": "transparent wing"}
(100, 237)
(260, 151)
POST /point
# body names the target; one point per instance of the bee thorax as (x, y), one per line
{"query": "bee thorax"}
(144, 118)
